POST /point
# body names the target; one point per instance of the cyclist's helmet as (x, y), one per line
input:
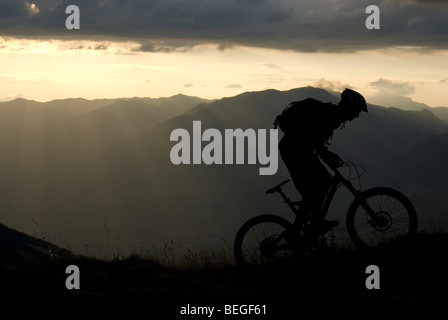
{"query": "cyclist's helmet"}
(353, 99)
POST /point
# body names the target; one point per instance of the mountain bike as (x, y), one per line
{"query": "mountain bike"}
(375, 216)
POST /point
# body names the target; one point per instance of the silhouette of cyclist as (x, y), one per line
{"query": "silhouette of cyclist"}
(306, 141)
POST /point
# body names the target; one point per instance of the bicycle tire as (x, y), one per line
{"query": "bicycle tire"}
(397, 218)
(252, 247)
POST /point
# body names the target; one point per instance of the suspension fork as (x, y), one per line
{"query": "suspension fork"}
(358, 196)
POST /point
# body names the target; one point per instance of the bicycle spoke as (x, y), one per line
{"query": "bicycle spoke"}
(264, 240)
(390, 218)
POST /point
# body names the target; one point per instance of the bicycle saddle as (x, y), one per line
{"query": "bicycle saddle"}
(277, 188)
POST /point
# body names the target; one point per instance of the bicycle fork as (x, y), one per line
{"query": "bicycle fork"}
(358, 196)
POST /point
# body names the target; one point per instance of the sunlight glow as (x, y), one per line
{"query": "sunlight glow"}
(54, 69)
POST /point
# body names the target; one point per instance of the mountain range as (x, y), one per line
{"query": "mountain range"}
(95, 176)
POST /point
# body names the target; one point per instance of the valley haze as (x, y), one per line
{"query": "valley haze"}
(95, 176)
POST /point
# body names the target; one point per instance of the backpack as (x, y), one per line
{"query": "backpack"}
(295, 117)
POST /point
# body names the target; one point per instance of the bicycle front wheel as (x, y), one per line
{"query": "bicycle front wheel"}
(392, 216)
(264, 239)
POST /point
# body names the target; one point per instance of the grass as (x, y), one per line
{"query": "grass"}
(410, 271)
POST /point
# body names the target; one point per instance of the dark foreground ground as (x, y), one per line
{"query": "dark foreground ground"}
(413, 274)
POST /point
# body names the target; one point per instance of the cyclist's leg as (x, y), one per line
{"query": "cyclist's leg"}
(296, 161)
(309, 175)
(319, 183)
(300, 163)
(315, 181)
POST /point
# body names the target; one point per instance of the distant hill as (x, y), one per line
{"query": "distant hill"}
(441, 112)
(223, 196)
(429, 160)
(99, 179)
(400, 102)
(407, 104)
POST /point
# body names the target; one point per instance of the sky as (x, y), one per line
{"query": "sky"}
(213, 49)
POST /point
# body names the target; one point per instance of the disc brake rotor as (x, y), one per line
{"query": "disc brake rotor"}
(382, 222)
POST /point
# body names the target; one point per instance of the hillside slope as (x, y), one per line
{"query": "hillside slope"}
(412, 271)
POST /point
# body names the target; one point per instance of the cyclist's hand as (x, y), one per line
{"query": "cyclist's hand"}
(333, 160)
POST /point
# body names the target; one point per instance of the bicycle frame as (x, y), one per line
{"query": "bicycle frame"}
(337, 180)
(267, 236)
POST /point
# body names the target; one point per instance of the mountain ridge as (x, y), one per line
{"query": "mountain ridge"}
(74, 176)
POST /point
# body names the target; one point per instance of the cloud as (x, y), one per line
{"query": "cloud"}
(20, 95)
(432, 1)
(32, 8)
(234, 86)
(80, 47)
(271, 66)
(330, 85)
(98, 47)
(169, 25)
(162, 46)
(393, 87)
(3, 44)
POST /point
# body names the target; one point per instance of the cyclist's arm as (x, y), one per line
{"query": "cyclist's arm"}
(322, 151)
(330, 158)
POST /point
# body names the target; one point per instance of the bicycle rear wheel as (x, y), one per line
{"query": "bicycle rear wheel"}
(395, 217)
(264, 239)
